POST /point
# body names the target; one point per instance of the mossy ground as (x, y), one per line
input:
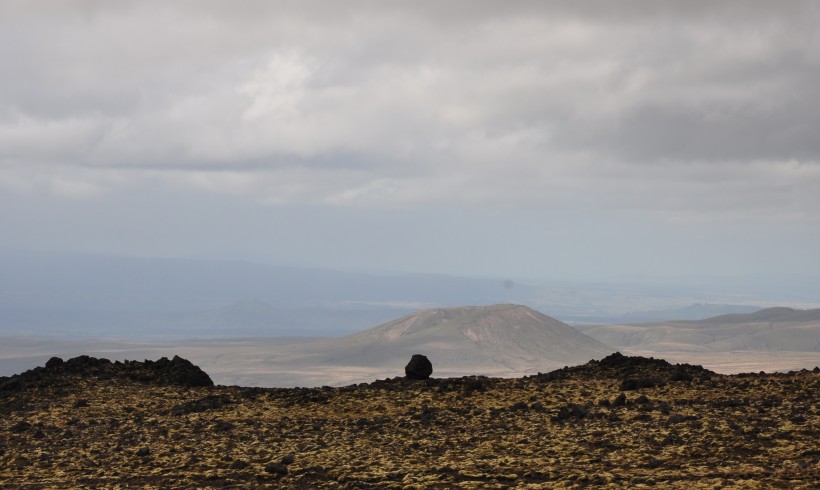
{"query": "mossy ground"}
(760, 431)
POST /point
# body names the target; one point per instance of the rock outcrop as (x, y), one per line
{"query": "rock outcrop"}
(634, 371)
(163, 372)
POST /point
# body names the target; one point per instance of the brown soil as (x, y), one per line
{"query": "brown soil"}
(618, 422)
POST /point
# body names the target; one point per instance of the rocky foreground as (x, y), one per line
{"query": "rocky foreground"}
(619, 422)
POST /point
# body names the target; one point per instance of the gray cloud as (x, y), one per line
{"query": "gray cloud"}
(681, 111)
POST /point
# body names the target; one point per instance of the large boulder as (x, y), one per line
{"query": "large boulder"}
(419, 367)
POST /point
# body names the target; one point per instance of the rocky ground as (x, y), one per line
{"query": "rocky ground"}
(619, 422)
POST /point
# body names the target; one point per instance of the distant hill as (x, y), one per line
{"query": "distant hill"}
(768, 330)
(697, 311)
(778, 314)
(494, 339)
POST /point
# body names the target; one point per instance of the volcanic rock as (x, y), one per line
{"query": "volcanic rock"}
(730, 431)
(419, 367)
(635, 371)
(54, 362)
(21, 426)
(276, 468)
(164, 372)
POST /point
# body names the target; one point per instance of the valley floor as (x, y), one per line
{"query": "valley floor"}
(286, 362)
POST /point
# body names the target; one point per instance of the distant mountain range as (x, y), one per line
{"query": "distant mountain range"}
(84, 296)
(697, 311)
(64, 296)
(771, 329)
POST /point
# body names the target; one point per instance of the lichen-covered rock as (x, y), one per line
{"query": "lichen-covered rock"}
(757, 431)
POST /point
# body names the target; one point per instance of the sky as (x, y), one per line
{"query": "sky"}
(552, 140)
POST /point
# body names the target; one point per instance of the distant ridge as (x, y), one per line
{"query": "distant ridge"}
(776, 314)
(778, 329)
(693, 312)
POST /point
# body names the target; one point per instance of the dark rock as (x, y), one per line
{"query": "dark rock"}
(642, 400)
(54, 363)
(613, 359)
(678, 418)
(619, 366)
(671, 439)
(184, 373)
(12, 384)
(223, 426)
(288, 459)
(210, 402)
(164, 372)
(81, 403)
(570, 411)
(39, 434)
(239, 465)
(474, 384)
(276, 468)
(143, 451)
(637, 383)
(20, 427)
(21, 462)
(85, 364)
(419, 367)
(642, 417)
(816, 369)
(619, 401)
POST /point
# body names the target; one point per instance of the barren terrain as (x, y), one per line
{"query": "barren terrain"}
(619, 422)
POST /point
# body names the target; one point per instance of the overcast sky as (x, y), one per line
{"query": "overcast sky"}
(516, 139)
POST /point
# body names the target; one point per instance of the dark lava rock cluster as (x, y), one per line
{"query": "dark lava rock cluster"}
(163, 372)
(634, 371)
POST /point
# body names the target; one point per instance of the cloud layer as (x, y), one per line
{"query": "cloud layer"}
(682, 111)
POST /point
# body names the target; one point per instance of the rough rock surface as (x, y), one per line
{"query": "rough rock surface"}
(575, 429)
(633, 371)
(163, 372)
(419, 367)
